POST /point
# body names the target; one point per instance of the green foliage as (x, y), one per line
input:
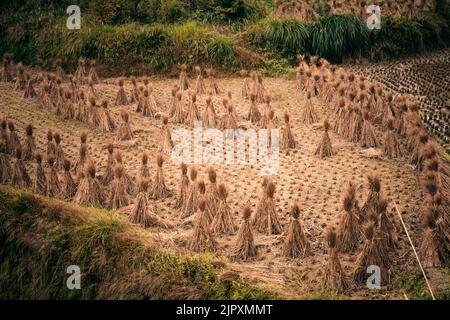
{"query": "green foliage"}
(194, 43)
(288, 36)
(23, 203)
(338, 36)
(118, 260)
(141, 36)
(399, 34)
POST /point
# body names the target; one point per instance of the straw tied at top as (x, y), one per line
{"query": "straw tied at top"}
(227, 147)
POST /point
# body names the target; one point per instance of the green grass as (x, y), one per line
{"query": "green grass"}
(139, 37)
(40, 238)
(287, 36)
(338, 36)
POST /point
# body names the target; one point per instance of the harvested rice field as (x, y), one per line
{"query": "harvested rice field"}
(342, 192)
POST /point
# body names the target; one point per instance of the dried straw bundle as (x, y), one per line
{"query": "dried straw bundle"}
(148, 109)
(296, 245)
(209, 114)
(324, 149)
(20, 175)
(244, 248)
(121, 98)
(92, 93)
(309, 115)
(335, 278)
(392, 147)
(199, 82)
(93, 75)
(223, 222)
(183, 82)
(89, 192)
(262, 204)
(135, 93)
(267, 221)
(356, 123)
(246, 86)
(192, 114)
(230, 121)
(80, 73)
(20, 81)
(386, 228)
(118, 197)
(68, 185)
(142, 212)
(83, 160)
(40, 180)
(13, 140)
(93, 116)
(254, 116)
(178, 112)
(51, 148)
(124, 132)
(127, 181)
(81, 111)
(173, 106)
(53, 184)
(29, 89)
(30, 144)
(5, 167)
(59, 152)
(373, 197)
(368, 137)
(349, 227)
(141, 100)
(432, 250)
(144, 172)
(287, 136)
(184, 185)
(267, 109)
(166, 138)
(106, 122)
(159, 189)
(192, 195)
(110, 162)
(212, 194)
(258, 87)
(202, 238)
(211, 84)
(370, 255)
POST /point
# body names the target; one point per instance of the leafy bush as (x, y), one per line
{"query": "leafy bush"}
(396, 37)
(204, 32)
(288, 36)
(337, 36)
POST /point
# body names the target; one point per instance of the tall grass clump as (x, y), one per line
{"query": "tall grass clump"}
(396, 37)
(288, 36)
(41, 237)
(195, 43)
(338, 36)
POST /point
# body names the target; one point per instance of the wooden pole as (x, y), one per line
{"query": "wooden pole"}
(415, 253)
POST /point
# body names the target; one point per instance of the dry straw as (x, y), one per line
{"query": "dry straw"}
(335, 278)
(244, 247)
(202, 238)
(296, 245)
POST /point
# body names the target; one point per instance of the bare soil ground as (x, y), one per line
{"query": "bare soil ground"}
(316, 184)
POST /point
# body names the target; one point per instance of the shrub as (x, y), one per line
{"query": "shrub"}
(172, 11)
(396, 37)
(338, 36)
(288, 36)
(194, 43)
